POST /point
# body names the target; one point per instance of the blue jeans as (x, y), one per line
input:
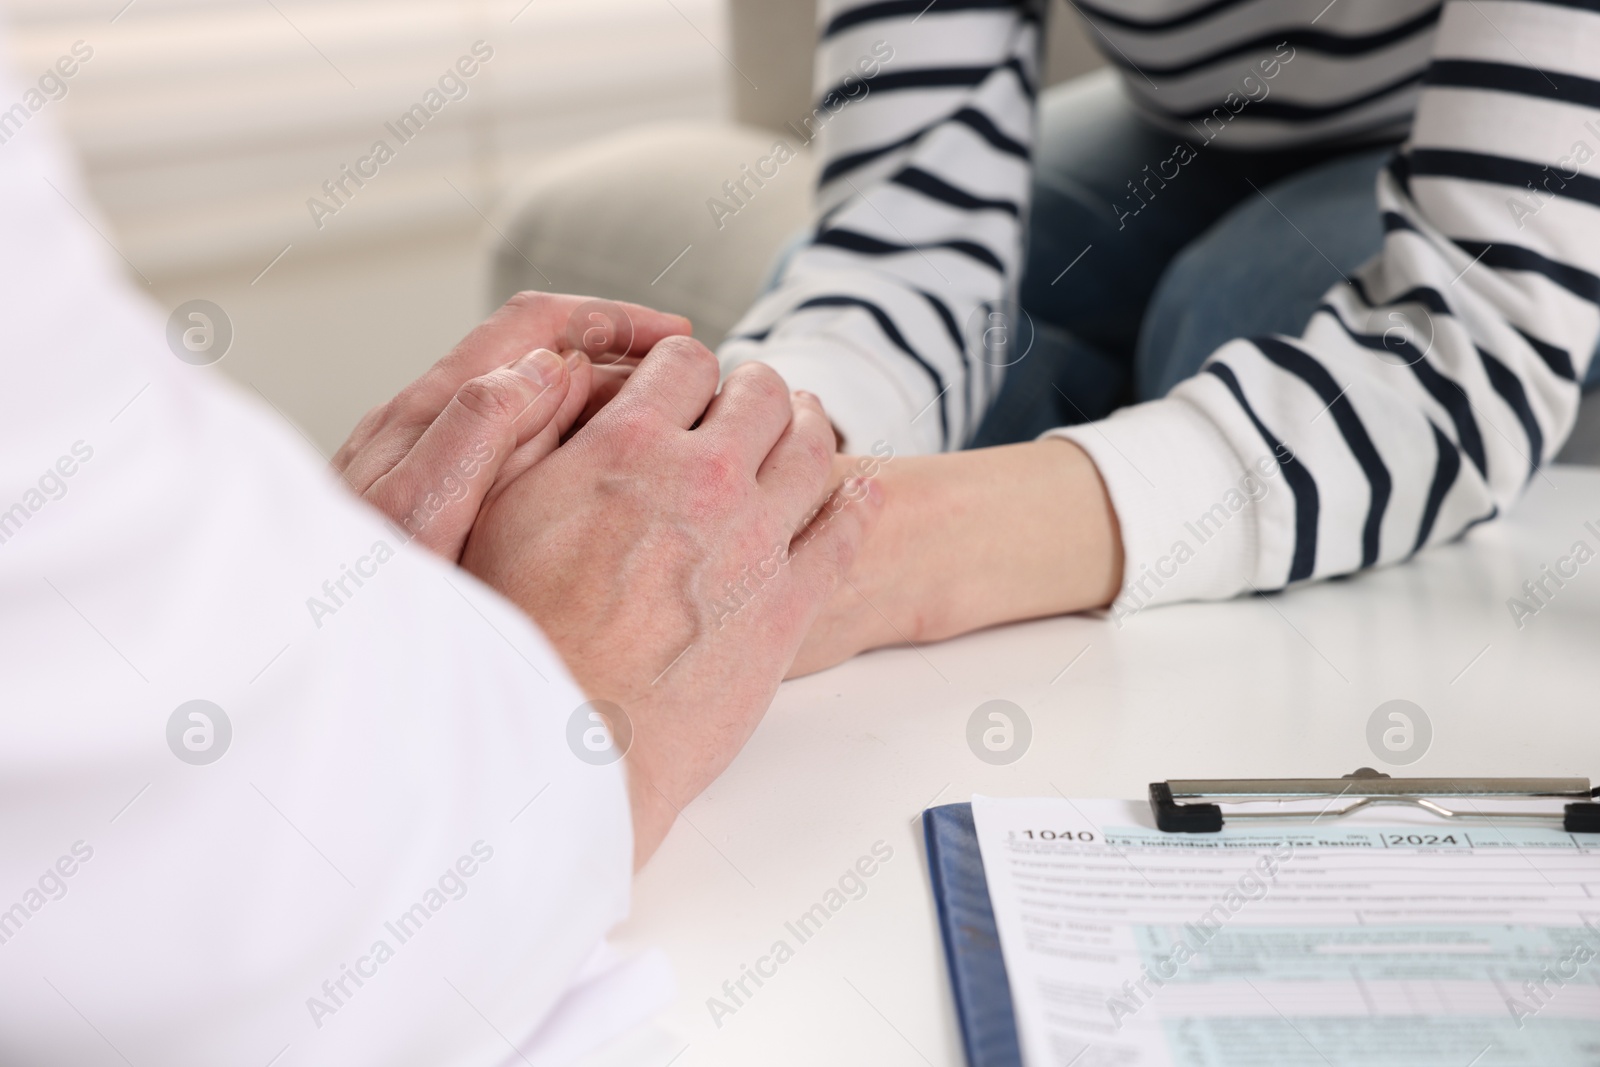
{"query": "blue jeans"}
(1175, 267)
(1182, 254)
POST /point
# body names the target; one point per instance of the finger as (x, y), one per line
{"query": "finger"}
(542, 320)
(359, 439)
(798, 468)
(437, 488)
(545, 441)
(675, 381)
(750, 414)
(580, 385)
(525, 322)
(363, 463)
(820, 556)
(606, 384)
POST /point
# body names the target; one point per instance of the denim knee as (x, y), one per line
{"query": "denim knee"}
(1262, 268)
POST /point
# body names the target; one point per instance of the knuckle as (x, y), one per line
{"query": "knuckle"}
(492, 397)
(773, 397)
(415, 405)
(629, 423)
(528, 300)
(688, 351)
(716, 480)
(403, 412)
(376, 416)
(764, 382)
(365, 430)
(397, 409)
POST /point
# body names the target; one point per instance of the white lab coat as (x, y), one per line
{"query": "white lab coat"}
(400, 740)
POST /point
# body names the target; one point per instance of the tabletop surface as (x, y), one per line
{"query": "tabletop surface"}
(1274, 686)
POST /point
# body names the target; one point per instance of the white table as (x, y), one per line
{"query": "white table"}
(1258, 687)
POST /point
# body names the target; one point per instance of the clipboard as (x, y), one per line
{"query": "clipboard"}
(971, 942)
(1194, 806)
(978, 980)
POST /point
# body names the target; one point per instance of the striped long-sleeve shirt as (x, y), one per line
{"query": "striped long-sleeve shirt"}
(1314, 455)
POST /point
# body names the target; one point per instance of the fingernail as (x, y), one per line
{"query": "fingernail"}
(541, 366)
(575, 357)
(803, 395)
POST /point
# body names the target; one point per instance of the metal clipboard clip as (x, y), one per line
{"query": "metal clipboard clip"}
(1194, 805)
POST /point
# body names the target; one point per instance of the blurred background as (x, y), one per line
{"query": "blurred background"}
(580, 159)
(206, 125)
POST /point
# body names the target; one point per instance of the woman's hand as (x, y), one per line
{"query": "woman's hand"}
(968, 540)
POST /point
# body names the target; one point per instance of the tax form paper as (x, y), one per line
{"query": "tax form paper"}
(1385, 939)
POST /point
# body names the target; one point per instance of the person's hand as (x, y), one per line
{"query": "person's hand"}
(497, 404)
(674, 553)
(968, 540)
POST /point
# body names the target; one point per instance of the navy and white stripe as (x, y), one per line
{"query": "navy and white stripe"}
(1421, 397)
(1349, 68)
(923, 192)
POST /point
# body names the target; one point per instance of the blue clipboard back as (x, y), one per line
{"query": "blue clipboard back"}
(971, 942)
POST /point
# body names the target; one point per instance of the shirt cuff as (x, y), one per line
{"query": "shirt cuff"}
(1188, 507)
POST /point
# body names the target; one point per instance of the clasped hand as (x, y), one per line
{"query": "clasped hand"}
(674, 541)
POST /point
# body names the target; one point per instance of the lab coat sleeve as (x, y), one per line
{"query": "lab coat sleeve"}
(398, 857)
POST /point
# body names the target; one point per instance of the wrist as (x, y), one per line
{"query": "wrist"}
(980, 538)
(1085, 555)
